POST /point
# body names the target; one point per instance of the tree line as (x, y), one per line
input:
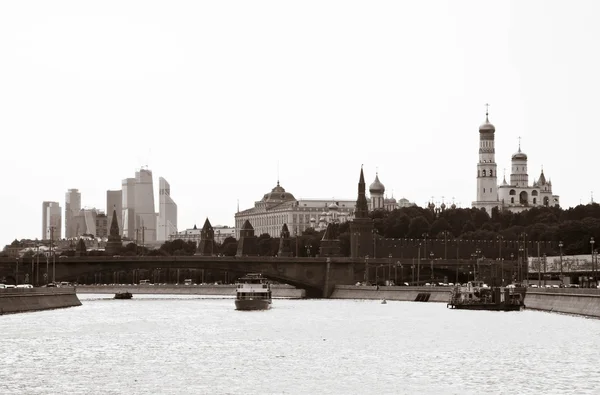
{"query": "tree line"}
(574, 227)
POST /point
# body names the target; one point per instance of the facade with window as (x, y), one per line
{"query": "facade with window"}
(515, 196)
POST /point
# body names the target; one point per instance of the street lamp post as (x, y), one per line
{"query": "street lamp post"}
(419, 265)
(512, 264)
(520, 263)
(431, 256)
(374, 243)
(389, 268)
(477, 271)
(560, 246)
(592, 241)
(500, 242)
(544, 270)
(17, 273)
(446, 233)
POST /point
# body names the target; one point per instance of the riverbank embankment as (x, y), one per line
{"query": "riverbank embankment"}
(21, 300)
(278, 291)
(577, 301)
(406, 294)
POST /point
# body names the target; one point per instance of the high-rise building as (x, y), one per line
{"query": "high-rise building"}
(44, 219)
(167, 211)
(72, 207)
(102, 225)
(51, 221)
(114, 202)
(85, 222)
(139, 213)
(145, 211)
(128, 208)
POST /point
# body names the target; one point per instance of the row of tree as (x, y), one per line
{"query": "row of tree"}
(574, 227)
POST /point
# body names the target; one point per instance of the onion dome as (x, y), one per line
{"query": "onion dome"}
(443, 206)
(376, 186)
(334, 206)
(453, 207)
(519, 155)
(487, 127)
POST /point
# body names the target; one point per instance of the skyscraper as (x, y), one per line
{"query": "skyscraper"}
(72, 207)
(51, 221)
(114, 202)
(139, 214)
(128, 207)
(167, 218)
(44, 219)
(145, 211)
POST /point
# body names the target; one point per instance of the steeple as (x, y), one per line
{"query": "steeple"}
(114, 225)
(362, 207)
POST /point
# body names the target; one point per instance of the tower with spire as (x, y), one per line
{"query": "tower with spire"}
(361, 227)
(487, 177)
(516, 195)
(114, 244)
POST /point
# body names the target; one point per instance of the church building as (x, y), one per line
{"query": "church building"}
(515, 196)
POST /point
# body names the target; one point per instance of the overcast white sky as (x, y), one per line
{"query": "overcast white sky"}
(211, 95)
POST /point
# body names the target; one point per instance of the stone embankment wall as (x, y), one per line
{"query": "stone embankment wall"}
(20, 300)
(407, 294)
(279, 291)
(565, 300)
(577, 301)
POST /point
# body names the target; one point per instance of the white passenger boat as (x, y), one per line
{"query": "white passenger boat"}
(253, 292)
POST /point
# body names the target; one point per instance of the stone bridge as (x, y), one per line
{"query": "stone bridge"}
(317, 276)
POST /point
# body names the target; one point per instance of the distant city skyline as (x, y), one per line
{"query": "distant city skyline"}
(213, 100)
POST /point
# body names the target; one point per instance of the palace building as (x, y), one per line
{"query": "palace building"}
(280, 207)
(516, 196)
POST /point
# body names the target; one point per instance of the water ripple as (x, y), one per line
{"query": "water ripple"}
(199, 345)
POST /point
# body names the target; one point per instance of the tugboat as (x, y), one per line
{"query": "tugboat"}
(253, 292)
(123, 295)
(477, 296)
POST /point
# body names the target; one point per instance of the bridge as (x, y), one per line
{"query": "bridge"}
(317, 276)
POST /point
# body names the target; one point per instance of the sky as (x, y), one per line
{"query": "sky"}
(222, 98)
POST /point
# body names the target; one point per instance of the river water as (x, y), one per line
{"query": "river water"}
(200, 345)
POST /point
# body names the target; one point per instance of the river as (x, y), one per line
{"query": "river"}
(160, 344)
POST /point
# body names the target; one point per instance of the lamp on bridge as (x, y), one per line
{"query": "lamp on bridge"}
(592, 241)
(431, 261)
(17, 273)
(560, 246)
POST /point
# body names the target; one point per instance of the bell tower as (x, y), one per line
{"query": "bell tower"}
(487, 177)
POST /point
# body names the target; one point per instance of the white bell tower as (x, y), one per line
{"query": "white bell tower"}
(487, 176)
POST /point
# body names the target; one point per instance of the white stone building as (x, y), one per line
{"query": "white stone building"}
(516, 196)
(279, 207)
(194, 234)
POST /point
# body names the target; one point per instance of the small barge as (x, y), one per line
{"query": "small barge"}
(253, 292)
(477, 296)
(123, 295)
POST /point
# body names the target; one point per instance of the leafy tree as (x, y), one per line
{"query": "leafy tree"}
(438, 226)
(418, 226)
